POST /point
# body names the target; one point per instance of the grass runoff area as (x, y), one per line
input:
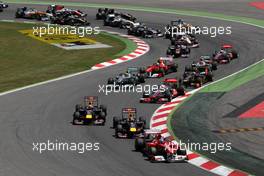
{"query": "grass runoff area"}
(25, 60)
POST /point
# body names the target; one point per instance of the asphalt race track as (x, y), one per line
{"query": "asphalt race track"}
(45, 112)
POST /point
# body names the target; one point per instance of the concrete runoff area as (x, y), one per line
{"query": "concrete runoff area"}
(212, 111)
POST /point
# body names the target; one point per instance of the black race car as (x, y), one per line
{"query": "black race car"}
(137, 71)
(120, 20)
(102, 13)
(67, 18)
(136, 30)
(90, 113)
(196, 79)
(205, 66)
(128, 126)
(225, 54)
(144, 31)
(112, 20)
(185, 39)
(178, 27)
(129, 78)
(209, 62)
(152, 33)
(178, 50)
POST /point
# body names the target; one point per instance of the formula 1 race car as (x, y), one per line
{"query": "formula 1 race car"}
(178, 50)
(204, 66)
(225, 54)
(60, 10)
(178, 27)
(120, 20)
(52, 9)
(132, 77)
(165, 65)
(128, 126)
(157, 149)
(69, 19)
(90, 113)
(174, 86)
(152, 33)
(136, 30)
(162, 95)
(137, 71)
(165, 93)
(207, 61)
(30, 13)
(196, 79)
(185, 39)
(2, 6)
(112, 20)
(102, 13)
(144, 31)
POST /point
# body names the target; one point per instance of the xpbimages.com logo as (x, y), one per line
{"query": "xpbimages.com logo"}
(65, 30)
(182, 29)
(212, 147)
(120, 88)
(79, 147)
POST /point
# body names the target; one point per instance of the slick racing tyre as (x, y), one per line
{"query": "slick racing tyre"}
(103, 108)
(139, 144)
(115, 122)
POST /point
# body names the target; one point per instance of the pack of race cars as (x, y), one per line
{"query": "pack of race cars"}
(147, 141)
(56, 14)
(127, 21)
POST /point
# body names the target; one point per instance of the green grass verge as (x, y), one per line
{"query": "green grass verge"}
(25, 60)
(236, 80)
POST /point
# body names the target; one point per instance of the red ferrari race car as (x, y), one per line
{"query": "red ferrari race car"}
(164, 65)
(225, 54)
(157, 149)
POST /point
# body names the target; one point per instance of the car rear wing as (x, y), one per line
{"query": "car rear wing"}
(226, 46)
(176, 22)
(152, 131)
(166, 58)
(205, 57)
(129, 112)
(132, 69)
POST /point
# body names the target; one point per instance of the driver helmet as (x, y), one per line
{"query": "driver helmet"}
(161, 139)
(222, 51)
(158, 136)
(180, 21)
(201, 63)
(130, 117)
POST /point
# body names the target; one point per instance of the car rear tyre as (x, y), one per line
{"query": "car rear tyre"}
(139, 144)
